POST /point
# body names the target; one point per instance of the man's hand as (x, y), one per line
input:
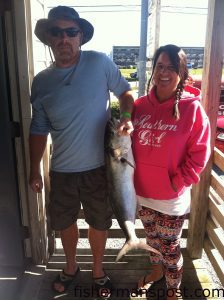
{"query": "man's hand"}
(36, 182)
(125, 127)
(126, 107)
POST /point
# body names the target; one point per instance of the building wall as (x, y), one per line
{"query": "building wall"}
(195, 56)
(40, 52)
(177, 22)
(125, 56)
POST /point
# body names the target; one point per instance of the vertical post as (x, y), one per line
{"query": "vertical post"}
(211, 84)
(157, 26)
(143, 46)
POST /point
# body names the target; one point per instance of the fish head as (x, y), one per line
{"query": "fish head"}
(117, 145)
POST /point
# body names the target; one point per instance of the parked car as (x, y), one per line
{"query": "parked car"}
(134, 75)
(189, 65)
(219, 143)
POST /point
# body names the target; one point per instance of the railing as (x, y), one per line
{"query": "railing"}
(214, 238)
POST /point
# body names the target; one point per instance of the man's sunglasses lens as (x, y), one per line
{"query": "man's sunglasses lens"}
(58, 32)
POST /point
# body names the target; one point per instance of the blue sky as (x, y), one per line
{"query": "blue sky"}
(183, 22)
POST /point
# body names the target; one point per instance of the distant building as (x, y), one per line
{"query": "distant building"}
(195, 56)
(125, 56)
(163, 28)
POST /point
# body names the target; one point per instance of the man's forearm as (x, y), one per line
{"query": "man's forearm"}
(37, 145)
(126, 106)
(126, 103)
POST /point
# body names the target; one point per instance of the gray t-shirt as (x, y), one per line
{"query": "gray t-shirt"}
(72, 104)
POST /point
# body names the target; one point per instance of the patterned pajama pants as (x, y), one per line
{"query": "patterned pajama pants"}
(163, 232)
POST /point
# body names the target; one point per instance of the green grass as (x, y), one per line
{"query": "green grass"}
(199, 71)
(195, 71)
(126, 72)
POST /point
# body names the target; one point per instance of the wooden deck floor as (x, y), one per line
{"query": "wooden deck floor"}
(124, 276)
(197, 281)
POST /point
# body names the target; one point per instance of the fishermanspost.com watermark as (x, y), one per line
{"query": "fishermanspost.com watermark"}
(160, 293)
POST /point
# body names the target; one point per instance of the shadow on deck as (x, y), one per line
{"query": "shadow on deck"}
(197, 282)
(35, 282)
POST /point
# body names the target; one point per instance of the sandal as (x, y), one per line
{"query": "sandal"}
(65, 280)
(103, 286)
(145, 286)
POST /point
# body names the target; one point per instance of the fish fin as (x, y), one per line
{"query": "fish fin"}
(126, 248)
(144, 246)
(124, 160)
(131, 245)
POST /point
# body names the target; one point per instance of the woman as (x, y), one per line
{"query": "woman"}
(171, 145)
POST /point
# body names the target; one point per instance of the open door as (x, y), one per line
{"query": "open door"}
(11, 244)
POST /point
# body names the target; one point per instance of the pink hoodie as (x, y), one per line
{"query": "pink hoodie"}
(167, 150)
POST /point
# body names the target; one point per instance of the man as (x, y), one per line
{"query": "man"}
(70, 101)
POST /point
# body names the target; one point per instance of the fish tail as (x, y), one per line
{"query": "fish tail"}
(130, 245)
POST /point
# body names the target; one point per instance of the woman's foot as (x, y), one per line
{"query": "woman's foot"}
(146, 281)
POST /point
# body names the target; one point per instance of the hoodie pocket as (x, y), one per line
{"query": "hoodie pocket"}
(153, 182)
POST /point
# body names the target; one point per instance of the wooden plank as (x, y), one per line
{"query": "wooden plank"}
(215, 236)
(46, 168)
(191, 283)
(217, 210)
(132, 265)
(30, 283)
(126, 291)
(112, 252)
(116, 233)
(140, 256)
(215, 259)
(198, 215)
(127, 262)
(211, 82)
(215, 196)
(219, 158)
(128, 276)
(217, 184)
(19, 146)
(112, 233)
(124, 275)
(37, 222)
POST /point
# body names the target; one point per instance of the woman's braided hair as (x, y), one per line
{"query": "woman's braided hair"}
(179, 61)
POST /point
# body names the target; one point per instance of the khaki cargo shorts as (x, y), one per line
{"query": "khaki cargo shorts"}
(71, 190)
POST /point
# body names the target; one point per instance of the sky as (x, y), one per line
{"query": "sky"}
(114, 25)
(183, 22)
(118, 22)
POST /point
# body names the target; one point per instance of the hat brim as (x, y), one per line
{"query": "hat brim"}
(43, 25)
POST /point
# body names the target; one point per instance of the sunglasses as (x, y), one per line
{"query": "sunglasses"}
(59, 32)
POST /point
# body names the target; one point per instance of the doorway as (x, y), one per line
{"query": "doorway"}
(11, 243)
